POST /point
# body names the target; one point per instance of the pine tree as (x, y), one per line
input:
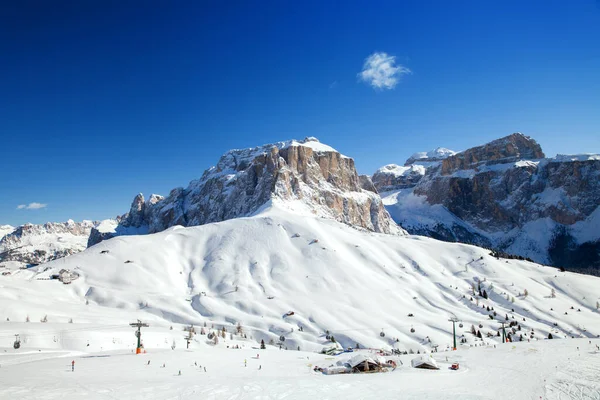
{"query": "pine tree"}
(479, 334)
(262, 344)
(485, 295)
(550, 336)
(473, 331)
(553, 293)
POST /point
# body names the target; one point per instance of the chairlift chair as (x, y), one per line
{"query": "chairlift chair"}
(382, 334)
(17, 343)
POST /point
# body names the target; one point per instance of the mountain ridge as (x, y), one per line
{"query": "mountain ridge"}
(507, 196)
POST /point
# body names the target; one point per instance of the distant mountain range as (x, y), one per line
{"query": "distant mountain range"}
(504, 195)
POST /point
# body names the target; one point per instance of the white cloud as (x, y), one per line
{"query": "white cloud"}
(31, 206)
(381, 72)
(333, 84)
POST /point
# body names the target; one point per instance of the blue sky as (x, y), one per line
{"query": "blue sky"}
(104, 99)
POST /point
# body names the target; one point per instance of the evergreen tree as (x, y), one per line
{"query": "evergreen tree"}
(485, 295)
(262, 344)
(550, 336)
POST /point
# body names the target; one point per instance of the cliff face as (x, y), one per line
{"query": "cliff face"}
(393, 177)
(507, 196)
(323, 180)
(35, 244)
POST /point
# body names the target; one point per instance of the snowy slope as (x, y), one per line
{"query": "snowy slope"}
(504, 195)
(334, 277)
(549, 370)
(5, 230)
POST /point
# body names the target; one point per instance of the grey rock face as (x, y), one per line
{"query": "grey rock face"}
(325, 181)
(393, 177)
(35, 244)
(507, 196)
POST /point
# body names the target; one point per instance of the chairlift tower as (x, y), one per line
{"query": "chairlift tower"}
(139, 324)
(503, 333)
(190, 335)
(454, 320)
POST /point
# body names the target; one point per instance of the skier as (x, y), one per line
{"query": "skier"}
(259, 367)
(245, 363)
(257, 356)
(148, 362)
(73, 366)
(179, 372)
(204, 369)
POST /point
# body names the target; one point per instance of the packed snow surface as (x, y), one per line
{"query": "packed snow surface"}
(548, 370)
(292, 279)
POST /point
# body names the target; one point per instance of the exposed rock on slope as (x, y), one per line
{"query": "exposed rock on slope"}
(393, 177)
(506, 195)
(35, 244)
(323, 180)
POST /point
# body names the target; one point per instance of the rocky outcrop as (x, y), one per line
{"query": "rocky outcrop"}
(323, 180)
(507, 196)
(35, 244)
(393, 177)
(508, 149)
(366, 183)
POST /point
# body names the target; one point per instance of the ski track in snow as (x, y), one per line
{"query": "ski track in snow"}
(357, 285)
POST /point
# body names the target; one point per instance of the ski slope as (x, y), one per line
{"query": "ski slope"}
(253, 271)
(549, 370)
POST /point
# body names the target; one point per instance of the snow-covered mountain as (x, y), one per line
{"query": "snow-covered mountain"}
(31, 244)
(393, 177)
(506, 195)
(319, 177)
(285, 272)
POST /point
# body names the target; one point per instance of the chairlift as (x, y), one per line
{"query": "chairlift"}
(17, 343)
(480, 325)
(382, 334)
(412, 330)
(282, 338)
(460, 325)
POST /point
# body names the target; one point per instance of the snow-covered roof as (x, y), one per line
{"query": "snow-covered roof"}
(359, 359)
(422, 361)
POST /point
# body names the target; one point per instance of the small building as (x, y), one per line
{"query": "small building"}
(364, 363)
(66, 276)
(424, 362)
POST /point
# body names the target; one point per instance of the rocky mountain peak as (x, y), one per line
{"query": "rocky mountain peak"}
(437, 154)
(505, 195)
(243, 180)
(504, 150)
(34, 244)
